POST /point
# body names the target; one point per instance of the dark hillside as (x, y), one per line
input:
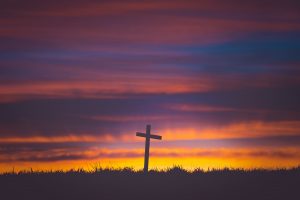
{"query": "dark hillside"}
(173, 184)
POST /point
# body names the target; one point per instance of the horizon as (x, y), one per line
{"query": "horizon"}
(217, 80)
(175, 169)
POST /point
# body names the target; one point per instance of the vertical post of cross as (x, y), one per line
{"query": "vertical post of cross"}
(148, 136)
(147, 148)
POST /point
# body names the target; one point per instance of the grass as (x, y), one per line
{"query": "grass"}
(175, 170)
(172, 183)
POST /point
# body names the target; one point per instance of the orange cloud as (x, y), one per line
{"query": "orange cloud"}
(236, 130)
(95, 152)
(58, 139)
(108, 87)
(251, 129)
(199, 108)
(122, 84)
(113, 118)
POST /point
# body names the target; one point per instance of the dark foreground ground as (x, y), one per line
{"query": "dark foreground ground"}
(174, 184)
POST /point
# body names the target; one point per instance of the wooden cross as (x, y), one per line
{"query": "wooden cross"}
(147, 135)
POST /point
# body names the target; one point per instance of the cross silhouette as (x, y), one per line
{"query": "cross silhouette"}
(147, 135)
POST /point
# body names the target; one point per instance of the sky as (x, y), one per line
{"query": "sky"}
(218, 80)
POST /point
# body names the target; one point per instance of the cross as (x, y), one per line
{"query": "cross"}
(147, 135)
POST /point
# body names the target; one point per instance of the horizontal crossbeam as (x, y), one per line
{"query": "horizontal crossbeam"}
(157, 137)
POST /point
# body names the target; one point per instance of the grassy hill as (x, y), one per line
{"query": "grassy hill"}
(174, 183)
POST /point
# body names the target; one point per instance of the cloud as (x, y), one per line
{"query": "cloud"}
(109, 87)
(200, 108)
(141, 118)
(253, 109)
(92, 24)
(285, 153)
(250, 129)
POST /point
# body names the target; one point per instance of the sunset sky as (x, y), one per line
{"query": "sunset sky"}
(219, 80)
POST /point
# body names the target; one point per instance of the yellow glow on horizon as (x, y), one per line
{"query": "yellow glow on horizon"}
(160, 163)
